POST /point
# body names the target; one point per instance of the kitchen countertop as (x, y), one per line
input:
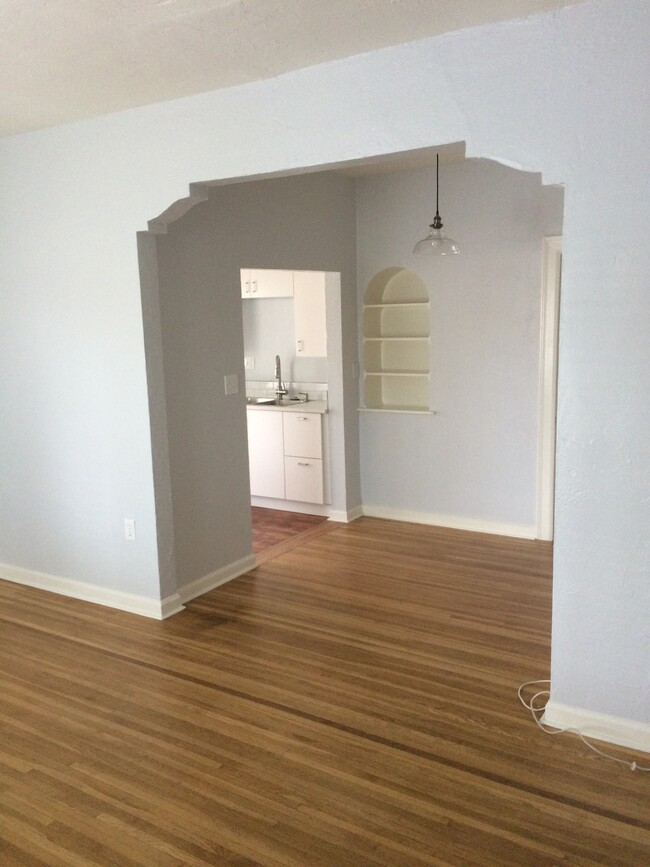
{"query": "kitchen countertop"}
(319, 406)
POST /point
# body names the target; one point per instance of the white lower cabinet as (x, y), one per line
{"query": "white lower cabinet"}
(285, 453)
(266, 453)
(303, 479)
(303, 434)
(303, 457)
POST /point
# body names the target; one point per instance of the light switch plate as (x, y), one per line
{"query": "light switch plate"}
(231, 383)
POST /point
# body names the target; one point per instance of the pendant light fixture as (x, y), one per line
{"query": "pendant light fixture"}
(436, 242)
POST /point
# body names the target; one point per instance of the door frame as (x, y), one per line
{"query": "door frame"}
(548, 355)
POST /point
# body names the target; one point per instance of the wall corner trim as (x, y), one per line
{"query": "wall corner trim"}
(142, 605)
(347, 515)
(599, 726)
(452, 522)
(215, 579)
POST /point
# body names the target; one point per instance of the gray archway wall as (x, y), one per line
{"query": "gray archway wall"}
(190, 261)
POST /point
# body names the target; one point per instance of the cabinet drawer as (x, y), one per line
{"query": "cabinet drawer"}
(302, 434)
(303, 479)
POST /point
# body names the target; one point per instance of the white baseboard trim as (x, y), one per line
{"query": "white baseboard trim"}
(453, 522)
(291, 506)
(171, 605)
(145, 607)
(216, 579)
(599, 726)
(155, 608)
(341, 515)
(345, 516)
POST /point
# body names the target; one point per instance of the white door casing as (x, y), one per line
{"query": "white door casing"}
(549, 327)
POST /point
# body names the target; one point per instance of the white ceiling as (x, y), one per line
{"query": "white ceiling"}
(62, 60)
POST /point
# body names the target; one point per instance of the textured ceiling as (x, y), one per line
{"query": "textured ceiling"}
(62, 60)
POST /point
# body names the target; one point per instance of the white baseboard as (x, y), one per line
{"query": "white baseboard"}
(171, 605)
(341, 515)
(345, 516)
(155, 608)
(453, 522)
(216, 579)
(291, 506)
(158, 609)
(599, 726)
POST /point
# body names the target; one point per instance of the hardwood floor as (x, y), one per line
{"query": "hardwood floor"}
(349, 702)
(272, 527)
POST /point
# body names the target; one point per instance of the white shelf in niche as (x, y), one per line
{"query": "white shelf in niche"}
(396, 373)
(389, 337)
(396, 342)
(397, 304)
(404, 409)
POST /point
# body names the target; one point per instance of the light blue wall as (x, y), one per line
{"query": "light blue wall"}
(563, 93)
(269, 330)
(474, 462)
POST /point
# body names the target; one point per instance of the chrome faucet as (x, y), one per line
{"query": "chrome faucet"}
(280, 390)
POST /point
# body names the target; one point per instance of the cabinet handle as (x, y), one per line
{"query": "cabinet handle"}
(301, 346)
(302, 418)
(247, 291)
(254, 284)
(303, 464)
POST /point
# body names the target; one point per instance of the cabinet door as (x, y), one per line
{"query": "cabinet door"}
(270, 283)
(302, 434)
(309, 313)
(265, 453)
(304, 479)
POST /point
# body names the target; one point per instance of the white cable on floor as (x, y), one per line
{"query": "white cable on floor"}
(551, 730)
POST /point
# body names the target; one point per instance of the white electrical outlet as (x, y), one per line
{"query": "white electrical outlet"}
(129, 529)
(249, 362)
(231, 383)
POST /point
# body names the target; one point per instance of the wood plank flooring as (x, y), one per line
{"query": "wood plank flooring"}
(349, 702)
(273, 527)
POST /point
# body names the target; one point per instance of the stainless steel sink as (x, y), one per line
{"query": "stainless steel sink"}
(275, 401)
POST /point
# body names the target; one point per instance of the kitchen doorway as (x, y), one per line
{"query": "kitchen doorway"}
(276, 531)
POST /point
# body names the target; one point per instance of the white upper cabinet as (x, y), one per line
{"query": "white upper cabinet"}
(266, 283)
(309, 289)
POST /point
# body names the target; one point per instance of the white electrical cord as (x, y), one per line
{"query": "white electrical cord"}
(538, 710)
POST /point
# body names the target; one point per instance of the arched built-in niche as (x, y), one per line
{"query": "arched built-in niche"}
(396, 342)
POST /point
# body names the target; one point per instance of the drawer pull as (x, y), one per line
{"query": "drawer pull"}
(303, 464)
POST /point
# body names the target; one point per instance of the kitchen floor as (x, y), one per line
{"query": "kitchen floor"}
(272, 527)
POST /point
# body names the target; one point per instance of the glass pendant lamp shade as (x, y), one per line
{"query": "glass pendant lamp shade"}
(436, 242)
